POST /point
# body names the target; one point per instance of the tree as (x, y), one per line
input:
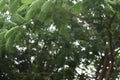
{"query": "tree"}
(51, 39)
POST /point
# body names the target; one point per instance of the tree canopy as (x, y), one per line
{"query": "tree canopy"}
(59, 39)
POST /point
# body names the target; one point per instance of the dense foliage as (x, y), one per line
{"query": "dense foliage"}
(54, 39)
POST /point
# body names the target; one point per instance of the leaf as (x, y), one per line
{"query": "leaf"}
(2, 4)
(61, 17)
(27, 1)
(19, 18)
(66, 6)
(23, 7)
(10, 24)
(69, 73)
(118, 15)
(48, 21)
(113, 2)
(14, 35)
(77, 8)
(33, 8)
(2, 32)
(9, 43)
(46, 7)
(14, 6)
(64, 32)
(19, 35)
(11, 32)
(60, 60)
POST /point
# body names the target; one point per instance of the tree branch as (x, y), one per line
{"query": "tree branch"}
(99, 67)
(110, 68)
(101, 75)
(111, 58)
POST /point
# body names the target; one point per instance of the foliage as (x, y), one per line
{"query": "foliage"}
(51, 39)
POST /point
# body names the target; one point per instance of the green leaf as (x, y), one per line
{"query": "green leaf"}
(9, 24)
(2, 4)
(19, 18)
(19, 35)
(77, 8)
(11, 32)
(27, 1)
(2, 32)
(9, 43)
(14, 35)
(34, 7)
(48, 21)
(23, 7)
(118, 15)
(46, 7)
(113, 2)
(64, 32)
(14, 5)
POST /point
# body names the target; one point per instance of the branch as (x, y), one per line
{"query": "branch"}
(110, 68)
(100, 77)
(111, 58)
(99, 66)
(110, 34)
